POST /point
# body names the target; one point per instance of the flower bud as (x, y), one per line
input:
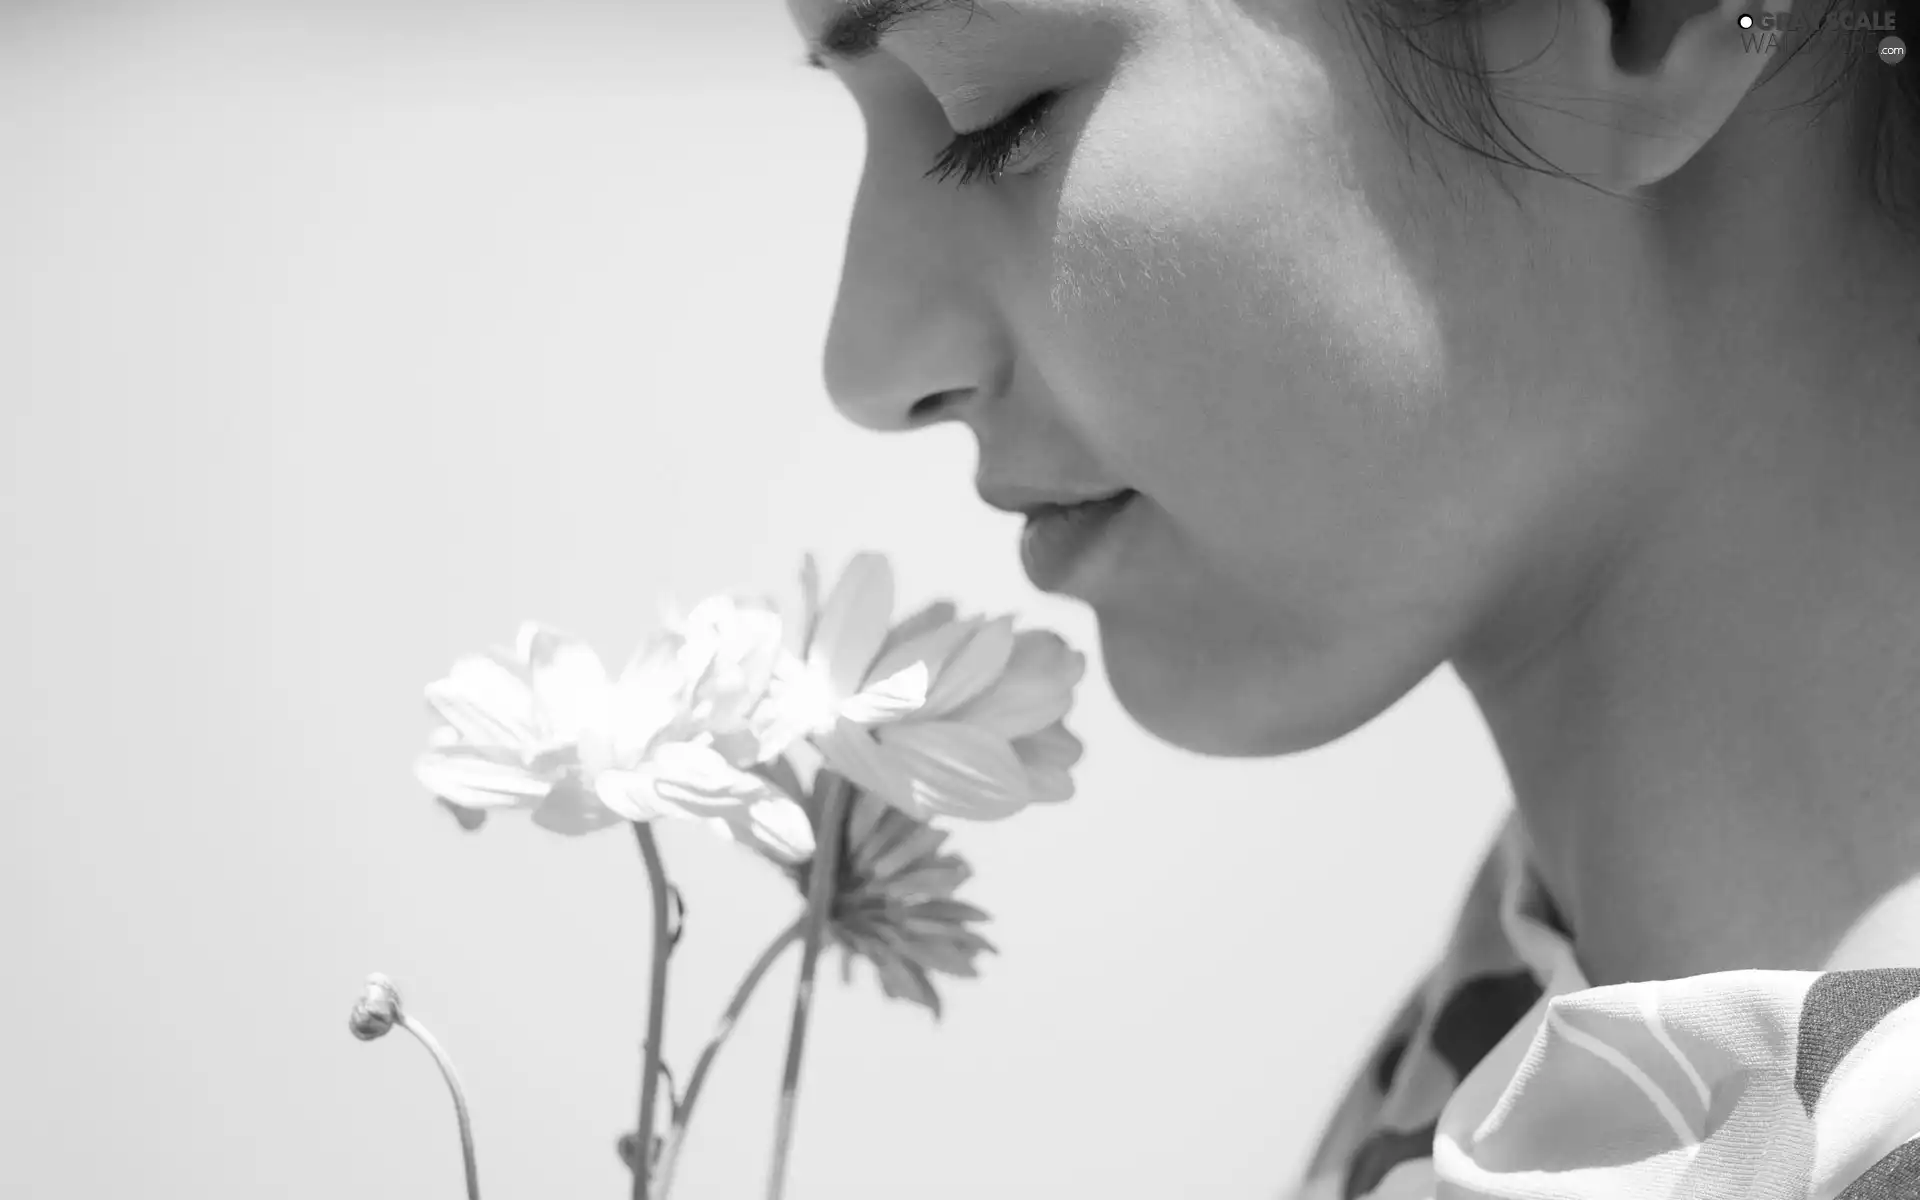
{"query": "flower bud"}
(378, 1010)
(628, 1147)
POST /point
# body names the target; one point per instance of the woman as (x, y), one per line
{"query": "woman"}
(1574, 344)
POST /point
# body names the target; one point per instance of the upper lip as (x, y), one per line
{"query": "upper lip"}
(1016, 498)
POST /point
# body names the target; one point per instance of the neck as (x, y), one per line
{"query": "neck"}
(1716, 749)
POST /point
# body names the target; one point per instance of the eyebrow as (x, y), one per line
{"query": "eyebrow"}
(857, 29)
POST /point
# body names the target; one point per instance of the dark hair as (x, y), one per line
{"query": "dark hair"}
(1428, 56)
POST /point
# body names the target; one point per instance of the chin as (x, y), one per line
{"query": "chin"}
(1227, 699)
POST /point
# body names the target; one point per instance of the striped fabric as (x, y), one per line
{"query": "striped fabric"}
(1506, 1075)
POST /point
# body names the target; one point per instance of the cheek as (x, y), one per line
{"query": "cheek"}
(1230, 322)
(1227, 305)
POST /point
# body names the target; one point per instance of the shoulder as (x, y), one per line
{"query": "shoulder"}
(1886, 935)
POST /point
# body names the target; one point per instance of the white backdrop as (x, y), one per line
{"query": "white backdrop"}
(331, 347)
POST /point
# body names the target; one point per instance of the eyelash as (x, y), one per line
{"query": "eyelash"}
(985, 153)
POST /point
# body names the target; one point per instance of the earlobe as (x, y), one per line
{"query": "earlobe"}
(1603, 92)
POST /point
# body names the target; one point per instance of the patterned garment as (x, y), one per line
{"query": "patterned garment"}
(1506, 1075)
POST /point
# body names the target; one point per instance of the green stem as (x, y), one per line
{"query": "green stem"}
(656, 1009)
(459, 1099)
(820, 888)
(676, 1137)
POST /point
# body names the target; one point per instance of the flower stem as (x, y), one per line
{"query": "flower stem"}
(820, 887)
(656, 1009)
(676, 1137)
(459, 1099)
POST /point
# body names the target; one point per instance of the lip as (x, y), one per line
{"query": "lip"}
(1027, 501)
(1059, 539)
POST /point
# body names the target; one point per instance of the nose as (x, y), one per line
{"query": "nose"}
(914, 339)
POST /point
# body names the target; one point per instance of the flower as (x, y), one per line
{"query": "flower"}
(939, 715)
(377, 1011)
(893, 899)
(541, 727)
(730, 648)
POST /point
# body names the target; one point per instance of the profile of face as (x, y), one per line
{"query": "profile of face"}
(1369, 408)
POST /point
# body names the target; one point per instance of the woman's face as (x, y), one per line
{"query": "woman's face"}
(1357, 398)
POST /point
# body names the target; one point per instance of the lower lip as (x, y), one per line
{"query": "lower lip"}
(1058, 540)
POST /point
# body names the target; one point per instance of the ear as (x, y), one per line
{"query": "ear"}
(1623, 93)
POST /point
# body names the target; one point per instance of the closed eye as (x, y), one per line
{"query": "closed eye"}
(985, 153)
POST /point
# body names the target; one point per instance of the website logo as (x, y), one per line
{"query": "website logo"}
(1872, 33)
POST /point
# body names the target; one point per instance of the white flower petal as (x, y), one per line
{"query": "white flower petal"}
(573, 810)
(1054, 746)
(1049, 756)
(1049, 785)
(629, 794)
(569, 687)
(782, 773)
(469, 777)
(899, 695)
(784, 715)
(851, 751)
(1034, 691)
(530, 637)
(643, 703)
(655, 665)
(754, 650)
(740, 747)
(853, 623)
(804, 612)
(935, 616)
(777, 828)
(699, 780)
(955, 770)
(973, 669)
(800, 698)
(933, 646)
(737, 646)
(667, 612)
(486, 701)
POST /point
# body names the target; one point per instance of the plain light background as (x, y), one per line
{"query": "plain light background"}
(335, 340)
